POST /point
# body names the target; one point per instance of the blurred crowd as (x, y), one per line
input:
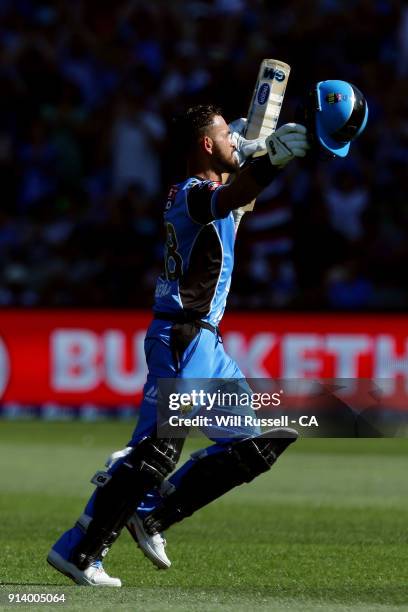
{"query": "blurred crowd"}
(88, 90)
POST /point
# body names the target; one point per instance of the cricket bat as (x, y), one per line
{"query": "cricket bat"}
(264, 110)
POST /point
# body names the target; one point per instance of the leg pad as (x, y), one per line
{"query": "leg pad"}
(213, 474)
(144, 468)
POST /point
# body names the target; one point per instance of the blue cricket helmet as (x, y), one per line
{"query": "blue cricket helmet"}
(340, 115)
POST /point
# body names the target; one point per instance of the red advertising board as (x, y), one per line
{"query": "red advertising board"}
(97, 356)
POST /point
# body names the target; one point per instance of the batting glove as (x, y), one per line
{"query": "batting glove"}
(244, 148)
(289, 141)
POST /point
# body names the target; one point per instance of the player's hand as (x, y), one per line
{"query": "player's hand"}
(244, 148)
(289, 141)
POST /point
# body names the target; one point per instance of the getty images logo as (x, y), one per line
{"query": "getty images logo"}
(4, 367)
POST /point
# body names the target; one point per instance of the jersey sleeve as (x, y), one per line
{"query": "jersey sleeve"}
(202, 201)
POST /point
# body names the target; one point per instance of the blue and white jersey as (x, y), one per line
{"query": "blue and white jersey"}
(198, 253)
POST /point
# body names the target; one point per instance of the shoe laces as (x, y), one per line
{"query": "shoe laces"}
(97, 565)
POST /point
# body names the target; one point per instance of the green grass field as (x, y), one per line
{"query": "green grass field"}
(325, 529)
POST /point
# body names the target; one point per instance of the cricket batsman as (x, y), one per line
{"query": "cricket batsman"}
(140, 489)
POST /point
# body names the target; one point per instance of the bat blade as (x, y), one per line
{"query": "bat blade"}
(266, 103)
(267, 98)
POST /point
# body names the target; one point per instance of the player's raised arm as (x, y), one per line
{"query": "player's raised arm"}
(287, 143)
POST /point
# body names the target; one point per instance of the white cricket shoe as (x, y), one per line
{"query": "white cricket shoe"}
(152, 546)
(94, 575)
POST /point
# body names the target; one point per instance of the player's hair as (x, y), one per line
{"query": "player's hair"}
(191, 125)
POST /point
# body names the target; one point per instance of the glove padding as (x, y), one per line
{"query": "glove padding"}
(244, 148)
(288, 142)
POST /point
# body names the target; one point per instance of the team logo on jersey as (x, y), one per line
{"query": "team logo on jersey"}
(334, 98)
(263, 93)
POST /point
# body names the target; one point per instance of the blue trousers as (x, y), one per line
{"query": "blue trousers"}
(204, 358)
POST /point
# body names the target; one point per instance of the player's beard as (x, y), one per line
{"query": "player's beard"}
(224, 163)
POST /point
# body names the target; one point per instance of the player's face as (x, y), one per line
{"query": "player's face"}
(223, 150)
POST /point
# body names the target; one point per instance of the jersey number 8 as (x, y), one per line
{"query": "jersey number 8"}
(172, 258)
